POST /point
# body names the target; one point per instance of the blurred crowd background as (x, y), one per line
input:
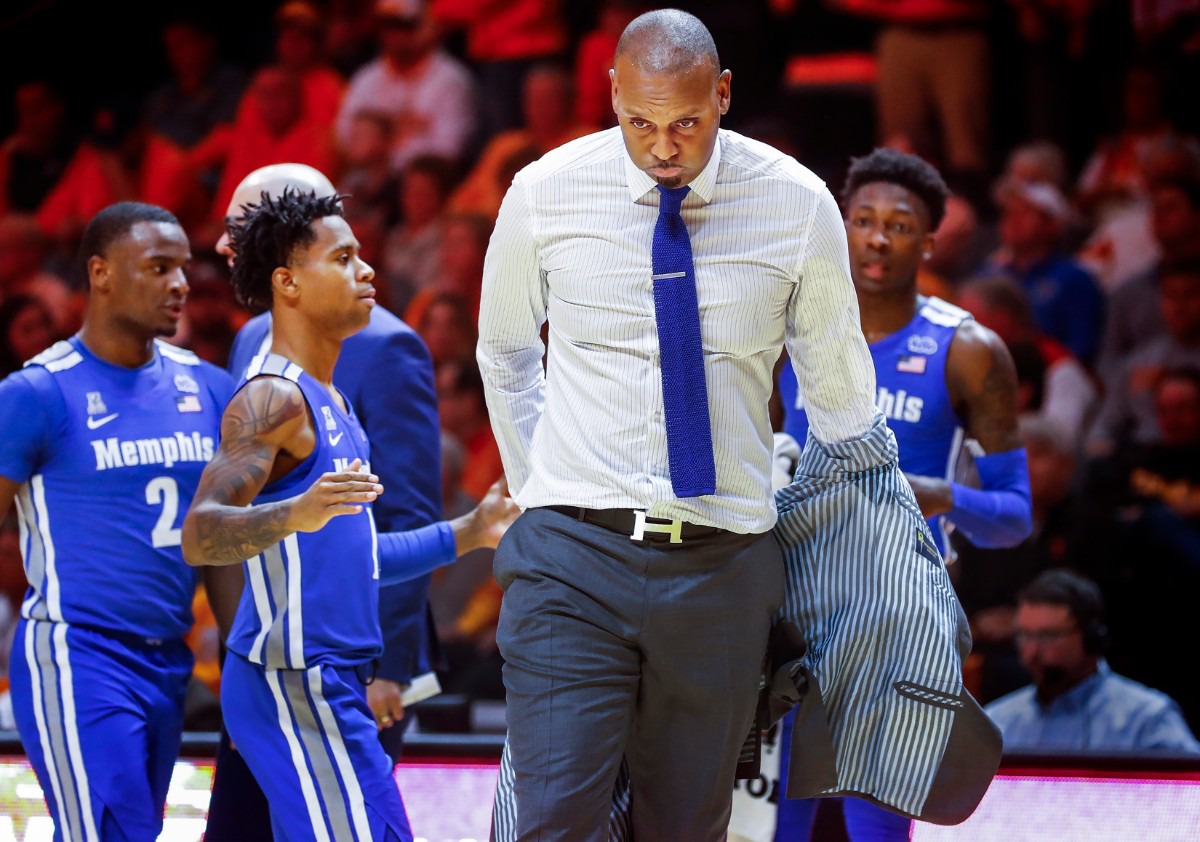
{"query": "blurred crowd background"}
(1067, 129)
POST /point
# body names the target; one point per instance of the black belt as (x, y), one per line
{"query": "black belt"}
(133, 640)
(635, 524)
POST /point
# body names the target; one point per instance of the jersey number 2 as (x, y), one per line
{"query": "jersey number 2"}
(164, 490)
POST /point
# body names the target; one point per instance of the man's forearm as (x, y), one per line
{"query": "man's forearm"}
(217, 534)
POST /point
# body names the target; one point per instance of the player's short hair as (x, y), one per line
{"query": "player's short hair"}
(914, 174)
(267, 236)
(114, 222)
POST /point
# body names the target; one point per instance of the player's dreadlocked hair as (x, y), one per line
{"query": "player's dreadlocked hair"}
(267, 236)
(910, 172)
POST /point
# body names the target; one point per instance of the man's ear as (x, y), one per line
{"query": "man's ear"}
(99, 273)
(927, 247)
(724, 90)
(283, 282)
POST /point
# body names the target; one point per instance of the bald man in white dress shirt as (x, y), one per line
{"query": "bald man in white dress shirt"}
(642, 579)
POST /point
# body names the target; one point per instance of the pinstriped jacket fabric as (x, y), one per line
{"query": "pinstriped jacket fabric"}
(877, 640)
(869, 649)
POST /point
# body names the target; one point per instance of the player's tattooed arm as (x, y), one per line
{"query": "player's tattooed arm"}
(221, 527)
(266, 431)
(982, 382)
(982, 379)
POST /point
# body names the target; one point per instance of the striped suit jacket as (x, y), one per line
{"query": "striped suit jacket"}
(871, 642)
(869, 648)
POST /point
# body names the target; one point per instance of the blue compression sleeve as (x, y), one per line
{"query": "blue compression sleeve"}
(1000, 513)
(407, 555)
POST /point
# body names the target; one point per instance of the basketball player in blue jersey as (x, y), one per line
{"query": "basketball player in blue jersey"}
(402, 425)
(103, 438)
(289, 492)
(941, 377)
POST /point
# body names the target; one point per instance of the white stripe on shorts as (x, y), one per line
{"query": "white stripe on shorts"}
(311, 802)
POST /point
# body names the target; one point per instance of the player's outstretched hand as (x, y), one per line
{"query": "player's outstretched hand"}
(334, 493)
(496, 512)
(486, 524)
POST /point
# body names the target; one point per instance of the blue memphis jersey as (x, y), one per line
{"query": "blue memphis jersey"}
(910, 371)
(313, 598)
(108, 459)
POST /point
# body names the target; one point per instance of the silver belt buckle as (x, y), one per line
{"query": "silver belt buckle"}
(641, 527)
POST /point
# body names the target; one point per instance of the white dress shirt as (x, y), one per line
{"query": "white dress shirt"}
(572, 244)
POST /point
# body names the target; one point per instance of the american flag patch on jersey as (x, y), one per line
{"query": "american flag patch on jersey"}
(188, 403)
(911, 364)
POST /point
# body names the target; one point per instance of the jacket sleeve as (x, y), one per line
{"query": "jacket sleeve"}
(399, 412)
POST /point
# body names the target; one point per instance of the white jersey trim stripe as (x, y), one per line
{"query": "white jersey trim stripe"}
(256, 362)
(374, 540)
(258, 588)
(341, 757)
(329, 788)
(315, 817)
(295, 600)
(53, 590)
(174, 352)
(62, 658)
(58, 357)
(65, 363)
(36, 576)
(313, 739)
(35, 675)
(943, 313)
(275, 573)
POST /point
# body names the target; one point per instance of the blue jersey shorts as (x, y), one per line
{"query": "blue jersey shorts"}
(100, 715)
(312, 744)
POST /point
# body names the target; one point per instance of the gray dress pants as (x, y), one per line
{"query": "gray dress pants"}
(648, 649)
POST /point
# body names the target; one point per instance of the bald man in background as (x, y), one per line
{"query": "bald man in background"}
(387, 374)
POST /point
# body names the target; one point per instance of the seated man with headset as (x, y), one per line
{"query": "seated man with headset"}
(1076, 702)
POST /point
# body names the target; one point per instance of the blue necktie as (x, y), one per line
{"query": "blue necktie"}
(677, 313)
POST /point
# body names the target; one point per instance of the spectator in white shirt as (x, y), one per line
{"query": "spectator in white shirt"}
(428, 93)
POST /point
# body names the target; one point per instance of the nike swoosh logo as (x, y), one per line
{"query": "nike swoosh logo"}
(94, 423)
(333, 440)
